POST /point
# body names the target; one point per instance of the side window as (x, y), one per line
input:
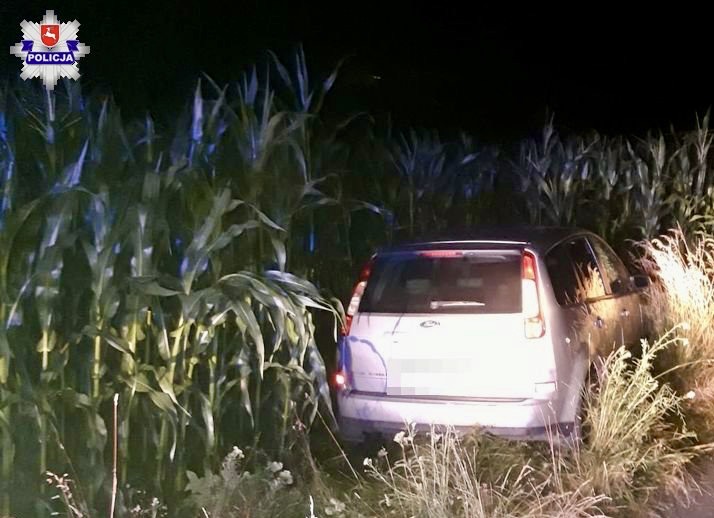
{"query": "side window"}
(574, 273)
(616, 272)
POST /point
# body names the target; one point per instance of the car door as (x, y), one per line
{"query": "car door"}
(619, 286)
(580, 291)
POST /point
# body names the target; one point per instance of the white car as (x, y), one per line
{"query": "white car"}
(498, 331)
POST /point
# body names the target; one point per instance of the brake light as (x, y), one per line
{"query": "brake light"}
(534, 324)
(529, 267)
(357, 293)
(437, 254)
(340, 380)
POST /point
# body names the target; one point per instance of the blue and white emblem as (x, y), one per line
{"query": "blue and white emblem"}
(49, 50)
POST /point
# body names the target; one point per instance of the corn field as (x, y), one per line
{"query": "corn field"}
(154, 266)
(190, 267)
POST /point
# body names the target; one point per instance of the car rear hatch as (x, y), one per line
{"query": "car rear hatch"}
(446, 324)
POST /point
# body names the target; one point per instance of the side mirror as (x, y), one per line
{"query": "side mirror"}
(640, 281)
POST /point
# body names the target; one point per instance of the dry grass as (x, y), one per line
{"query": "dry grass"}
(682, 296)
(477, 476)
(635, 449)
(637, 446)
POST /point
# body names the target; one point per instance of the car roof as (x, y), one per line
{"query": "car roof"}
(539, 238)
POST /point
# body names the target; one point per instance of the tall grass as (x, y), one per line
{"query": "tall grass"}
(683, 293)
(478, 476)
(634, 451)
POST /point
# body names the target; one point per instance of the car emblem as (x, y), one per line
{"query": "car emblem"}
(429, 323)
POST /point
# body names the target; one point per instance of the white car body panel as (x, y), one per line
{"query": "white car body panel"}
(475, 370)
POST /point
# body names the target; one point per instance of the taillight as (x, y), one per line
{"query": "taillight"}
(340, 380)
(357, 293)
(440, 254)
(534, 324)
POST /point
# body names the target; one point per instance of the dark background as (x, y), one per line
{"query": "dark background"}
(450, 66)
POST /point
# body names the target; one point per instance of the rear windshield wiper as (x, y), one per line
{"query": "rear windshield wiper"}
(436, 304)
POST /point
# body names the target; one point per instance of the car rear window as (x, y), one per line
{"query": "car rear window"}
(451, 281)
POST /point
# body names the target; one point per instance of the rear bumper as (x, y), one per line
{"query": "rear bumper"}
(365, 415)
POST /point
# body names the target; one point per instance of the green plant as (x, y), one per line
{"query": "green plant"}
(637, 443)
(136, 267)
(554, 173)
(235, 491)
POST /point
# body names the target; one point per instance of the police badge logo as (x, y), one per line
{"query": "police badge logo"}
(49, 50)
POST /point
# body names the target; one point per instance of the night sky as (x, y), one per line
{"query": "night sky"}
(426, 64)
